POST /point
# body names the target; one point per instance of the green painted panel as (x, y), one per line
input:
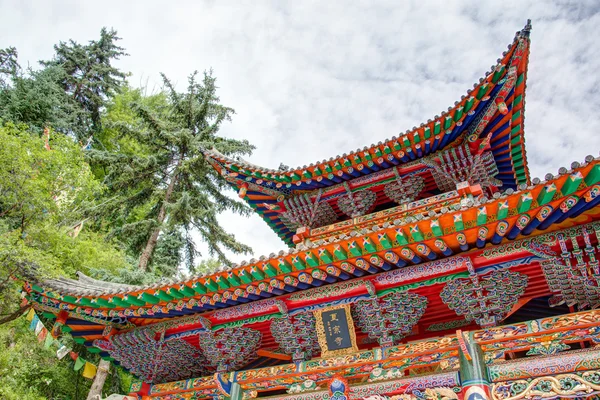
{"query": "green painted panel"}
(340, 253)
(311, 259)
(199, 288)
(572, 183)
(148, 298)
(481, 215)
(524, 202)
(175, 293)
(469, 103)
(270, 270)
(384, 240)
(593, 176)
(401, 236)
(325, 256)
(546, 194)
(369, 245)
(211, 285)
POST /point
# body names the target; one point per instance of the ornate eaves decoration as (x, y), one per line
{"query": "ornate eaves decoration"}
(231, 348)
(438, 393)
(356, 204)
(575, 385)
(154, 361)
(485, 299)
(459, 165)
(574, 277)
(296, 335)
(391, 317)
(404, 190)
(302, 211)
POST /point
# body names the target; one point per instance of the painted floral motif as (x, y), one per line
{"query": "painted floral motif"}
(391, 317)
(357, 203)
(485, 299)
(296, 335)
(584, 384)
(154, 360)
(404, 190)
(230, 348)
(301, 211)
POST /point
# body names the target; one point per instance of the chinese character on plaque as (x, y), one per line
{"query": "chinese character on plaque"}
(335, 331)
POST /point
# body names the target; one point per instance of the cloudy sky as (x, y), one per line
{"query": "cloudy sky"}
(311, 80)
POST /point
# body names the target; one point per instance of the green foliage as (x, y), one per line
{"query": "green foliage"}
(89, 77)
(157, 176)
(206, 266)
(8, 64)
(42, 194)
(37, 99)
(69, 93)
(29, 371)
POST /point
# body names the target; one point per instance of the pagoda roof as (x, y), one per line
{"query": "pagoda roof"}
(415, 249)
(401, 253)
(475, 119)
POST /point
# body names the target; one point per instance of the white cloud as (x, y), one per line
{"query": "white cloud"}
(310, 80)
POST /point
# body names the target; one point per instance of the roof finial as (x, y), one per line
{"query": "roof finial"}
(527, 29)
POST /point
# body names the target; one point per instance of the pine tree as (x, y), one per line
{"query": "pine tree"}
(37, 100)
(8, 65)
(90, 78)
(160, 183)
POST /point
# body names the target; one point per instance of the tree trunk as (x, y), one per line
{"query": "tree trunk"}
(14, 315)
(96, 389)
(162, 213)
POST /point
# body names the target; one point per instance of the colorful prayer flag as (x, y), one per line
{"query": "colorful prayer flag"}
(34, 323)
(80, 362)
(42, 335)
(48, 341)
(73, 355)
(62, 352)
(89, 371)
(38, 327)
(30, 315)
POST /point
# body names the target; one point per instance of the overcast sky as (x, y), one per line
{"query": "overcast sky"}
(311, 80)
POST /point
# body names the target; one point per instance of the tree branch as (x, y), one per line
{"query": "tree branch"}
(14, 315)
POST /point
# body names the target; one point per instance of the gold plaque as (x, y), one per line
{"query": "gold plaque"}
(335, 331)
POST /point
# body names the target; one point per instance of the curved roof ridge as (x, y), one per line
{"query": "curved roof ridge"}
(525, 32)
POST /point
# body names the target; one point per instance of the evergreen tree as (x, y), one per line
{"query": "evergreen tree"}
(8, 65)
(90, 78)
(158, 178)
(37, 100)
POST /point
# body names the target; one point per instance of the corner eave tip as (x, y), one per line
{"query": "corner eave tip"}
(527, 28)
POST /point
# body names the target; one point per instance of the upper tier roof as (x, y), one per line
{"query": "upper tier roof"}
(490, 117)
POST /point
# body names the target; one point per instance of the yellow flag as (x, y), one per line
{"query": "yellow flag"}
(89, 370)
(30, 314)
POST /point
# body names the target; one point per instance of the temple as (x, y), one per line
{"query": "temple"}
(427, 266)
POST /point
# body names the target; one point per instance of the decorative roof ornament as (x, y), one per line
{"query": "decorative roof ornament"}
(155, 361)
(296, 335)
(231, 348)
(460, 165)
(358, 203)
(390, 318)
(404, 190)
(302, 211)
(574, 276)
(485, 299)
